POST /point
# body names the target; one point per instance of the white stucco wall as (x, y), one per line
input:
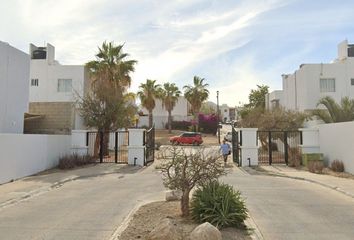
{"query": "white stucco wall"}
(302, 88)
(23, 155)
(14, 76)
(336, 141)
(224, 113)
(181, 108)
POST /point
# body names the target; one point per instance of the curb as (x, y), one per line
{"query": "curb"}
(335, 188)
(256, 233)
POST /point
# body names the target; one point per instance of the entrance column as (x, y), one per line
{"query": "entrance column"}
(136, 148)
(249, 148)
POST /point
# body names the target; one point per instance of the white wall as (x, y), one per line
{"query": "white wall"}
(337, 142)
(23, 155)
(181, 108)
(302, 88)
(224, 113)
(14, 77)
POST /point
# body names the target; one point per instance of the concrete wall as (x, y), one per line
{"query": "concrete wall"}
(181, 108)
(14, 82)
(336, 142)
(58, 118)
(301, 90)
(24, 155)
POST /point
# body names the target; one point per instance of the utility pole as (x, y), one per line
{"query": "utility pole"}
(218, 114)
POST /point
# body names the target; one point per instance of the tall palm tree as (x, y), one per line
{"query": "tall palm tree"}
(342, 112)
(111, 67)
(148, 93)
(196, 94)
(110, 78)
(169, 96)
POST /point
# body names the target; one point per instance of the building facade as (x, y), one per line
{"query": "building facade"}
(14, 76)
(181, 112)
(306, 86)
(54, 90)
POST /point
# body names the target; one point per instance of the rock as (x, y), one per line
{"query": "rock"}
(165, 230)
(173, 195)
(206, 231)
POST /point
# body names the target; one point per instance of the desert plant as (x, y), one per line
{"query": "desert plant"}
(337, 166)
(218, 204)
(183, 169)
(315, 166)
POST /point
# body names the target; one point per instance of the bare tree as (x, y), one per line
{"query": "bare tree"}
(185, 168)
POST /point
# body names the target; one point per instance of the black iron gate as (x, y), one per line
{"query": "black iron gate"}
(279, 147)
(108, 147)
(150, 145)
(236, 143)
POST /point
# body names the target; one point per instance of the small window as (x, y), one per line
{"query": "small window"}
(64, 85)
(225, 110)
(327, 85)
(352, 81)
(34, 82)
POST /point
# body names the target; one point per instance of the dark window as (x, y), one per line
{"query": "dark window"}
(352, 81)
(34, 82)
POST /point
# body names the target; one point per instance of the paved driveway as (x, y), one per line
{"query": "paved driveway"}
(89, 208)
(284, 208)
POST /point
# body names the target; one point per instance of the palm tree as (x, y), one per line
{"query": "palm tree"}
(169, 96)
(342, 112)
(110, 77)
(196, 94)
(111, 68)
(149, 92)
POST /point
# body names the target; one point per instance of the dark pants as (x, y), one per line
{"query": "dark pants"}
(225, 157)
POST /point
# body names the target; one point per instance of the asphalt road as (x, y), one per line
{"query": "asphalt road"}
(93, 207)
(86, 209)
(284, 208)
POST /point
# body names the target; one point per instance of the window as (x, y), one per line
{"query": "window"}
(327, 85)
(225, 110)
(352, 81)
(64, 85)
(34, 82)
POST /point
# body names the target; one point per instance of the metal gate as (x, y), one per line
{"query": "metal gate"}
(236, 143)
(279, 147)
(150, 145)
(108, 147)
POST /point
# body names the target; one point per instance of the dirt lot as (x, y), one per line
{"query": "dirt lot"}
(148, 216)
(163, 137)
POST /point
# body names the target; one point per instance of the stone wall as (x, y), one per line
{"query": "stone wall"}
(57, 118)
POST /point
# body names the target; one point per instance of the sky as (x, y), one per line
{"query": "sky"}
(235, 45)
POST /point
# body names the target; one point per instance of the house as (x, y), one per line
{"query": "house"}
(306, 86)
(14, 76)
(181, 112)
(54, 90)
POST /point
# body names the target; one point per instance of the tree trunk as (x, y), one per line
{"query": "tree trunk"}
(150, 119)
(169, 122)
(97, 145)
(185, 203)
(105, 143)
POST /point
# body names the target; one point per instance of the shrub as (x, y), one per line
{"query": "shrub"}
(218, 204)
(209, 123)
(337, 166)
(315, 166)
(294, 157)
(74, 160)
(180, 125)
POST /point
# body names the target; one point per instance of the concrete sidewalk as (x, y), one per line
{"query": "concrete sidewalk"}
(25, 188)
(343, 185)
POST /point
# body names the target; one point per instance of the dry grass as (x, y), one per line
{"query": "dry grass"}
(148, 216)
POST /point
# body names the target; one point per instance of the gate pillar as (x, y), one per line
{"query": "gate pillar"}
(310, 140)
(249, 148)
(136, 148)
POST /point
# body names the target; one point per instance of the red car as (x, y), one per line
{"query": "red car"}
(187, 138)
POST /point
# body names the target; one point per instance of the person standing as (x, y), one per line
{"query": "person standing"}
(225, 150)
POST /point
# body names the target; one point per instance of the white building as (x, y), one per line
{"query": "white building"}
(160, 115)
(14, 76)
(306, 86)
(54, 89)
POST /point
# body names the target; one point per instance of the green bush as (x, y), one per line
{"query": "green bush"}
(218, 204)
